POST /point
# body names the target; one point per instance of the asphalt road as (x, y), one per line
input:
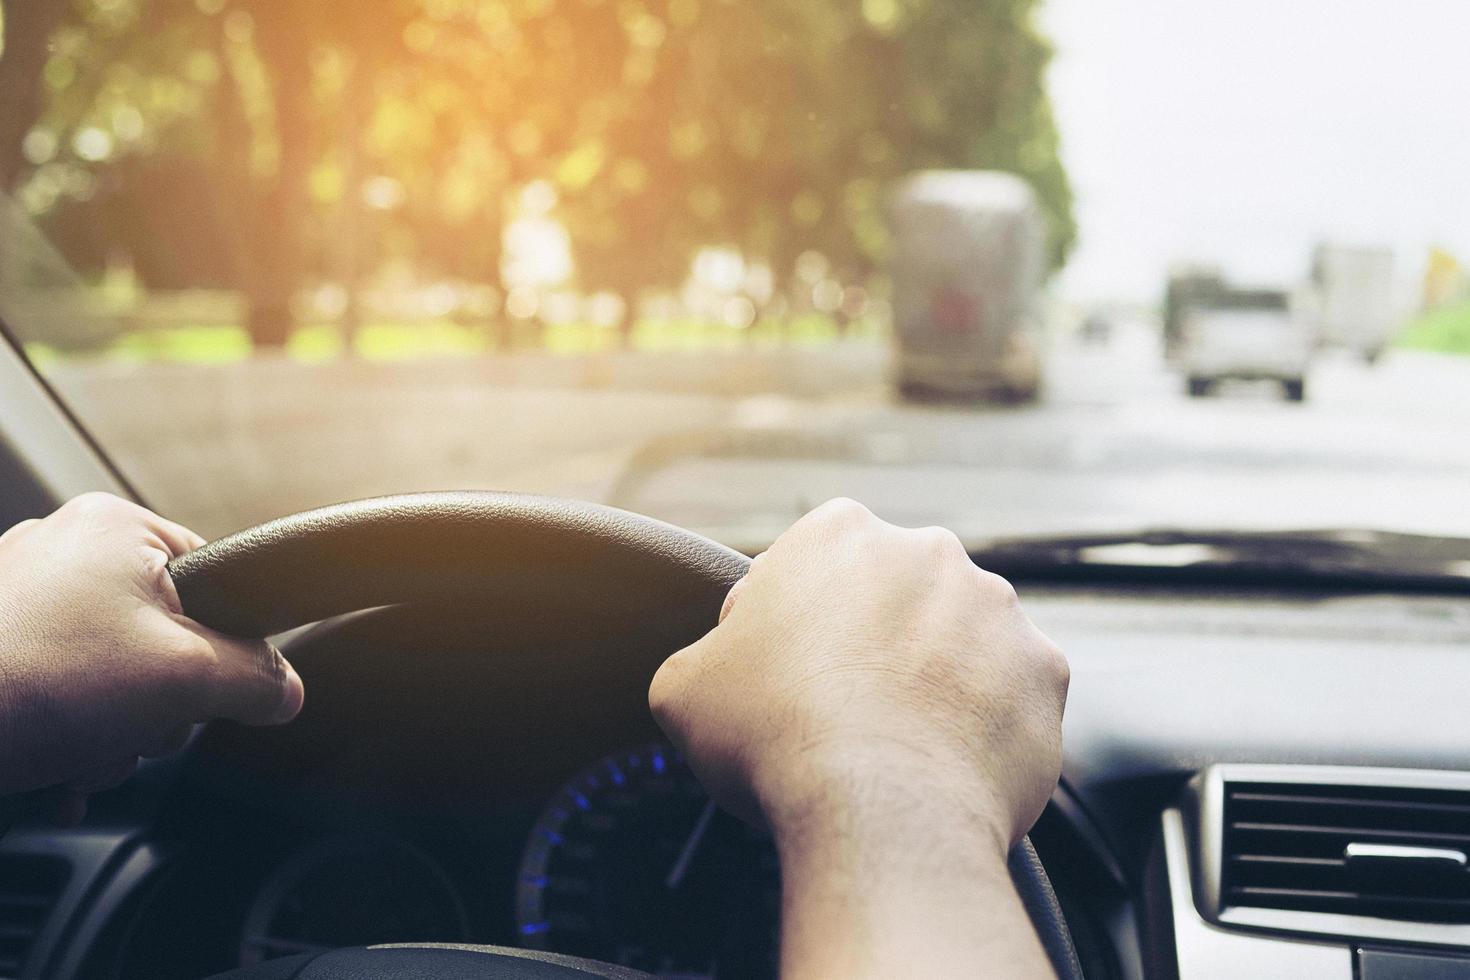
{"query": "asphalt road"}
(739, 444)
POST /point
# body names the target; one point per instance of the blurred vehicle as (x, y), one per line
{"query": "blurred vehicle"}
(1246, 334)
(1188, 285)
(1355, 297)
(1096, 329)
(967, 261)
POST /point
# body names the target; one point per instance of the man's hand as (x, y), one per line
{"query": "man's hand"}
(895, 718)
(98, 663)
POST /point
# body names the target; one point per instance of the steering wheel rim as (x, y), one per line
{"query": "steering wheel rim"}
(414, 547)
(408, 548)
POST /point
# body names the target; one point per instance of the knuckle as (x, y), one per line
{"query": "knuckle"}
(999, 588)
(941, 542)
(96, 502)
(252, 685)
(270, 669)
(664, 690)
(16, 530)
(1054, 663)
(844, 512)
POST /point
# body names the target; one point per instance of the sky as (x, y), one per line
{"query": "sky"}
(1242, 132)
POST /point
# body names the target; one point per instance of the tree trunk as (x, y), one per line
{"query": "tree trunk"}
(29, 25)
(354, 219)
(629, 319)
(274, 263)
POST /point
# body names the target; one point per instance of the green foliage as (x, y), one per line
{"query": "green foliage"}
(1446, 330)
(664, 125)
(778, 126)
(387, 341)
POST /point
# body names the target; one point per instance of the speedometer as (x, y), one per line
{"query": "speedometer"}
(631, 863)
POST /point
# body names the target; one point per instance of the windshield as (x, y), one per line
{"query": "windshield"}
(717, 262)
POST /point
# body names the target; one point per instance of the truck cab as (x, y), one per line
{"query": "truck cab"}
(967, 260)
(1246, 334)
(1358, 308)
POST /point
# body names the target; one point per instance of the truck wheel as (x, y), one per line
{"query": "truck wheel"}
(1295, 389)
(1200, 387)
(1017, 394)
(914, 391)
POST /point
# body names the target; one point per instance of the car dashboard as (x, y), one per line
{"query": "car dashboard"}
(1222, 749)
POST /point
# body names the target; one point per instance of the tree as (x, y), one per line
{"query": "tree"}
(27, 29)
(777, 127)
(240, 96)
(771, 126)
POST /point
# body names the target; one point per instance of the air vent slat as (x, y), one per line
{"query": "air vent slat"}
(1410, 836)
(29, 887)
(1290, 799)
(1350, 896)
(1285, 848)
(1354, 903)
(1287, 859)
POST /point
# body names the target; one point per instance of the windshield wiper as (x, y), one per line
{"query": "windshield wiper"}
(1330, 558)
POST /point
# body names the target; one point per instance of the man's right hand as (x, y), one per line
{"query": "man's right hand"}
(862, 657)
(888, 709)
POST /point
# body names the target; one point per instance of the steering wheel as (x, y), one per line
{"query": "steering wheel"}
(418, 547)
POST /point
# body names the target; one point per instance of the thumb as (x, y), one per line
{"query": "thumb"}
(253, 683)
(733, 595)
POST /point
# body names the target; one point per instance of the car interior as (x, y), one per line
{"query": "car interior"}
(1264, 765)
(489, 342)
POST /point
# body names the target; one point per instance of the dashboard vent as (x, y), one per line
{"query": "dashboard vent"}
(1390, 853)
(29, 887)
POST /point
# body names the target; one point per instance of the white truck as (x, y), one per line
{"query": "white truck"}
(1356, 303)
(967, 258)
(1246, 334)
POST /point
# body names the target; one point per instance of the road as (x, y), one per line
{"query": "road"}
(739, 444)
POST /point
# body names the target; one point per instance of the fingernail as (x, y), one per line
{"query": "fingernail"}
(292, 695)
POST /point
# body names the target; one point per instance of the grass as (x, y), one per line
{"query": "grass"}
(445, 338)
(1446, 330)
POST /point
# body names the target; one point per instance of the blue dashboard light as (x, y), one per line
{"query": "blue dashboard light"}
(611, 849)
